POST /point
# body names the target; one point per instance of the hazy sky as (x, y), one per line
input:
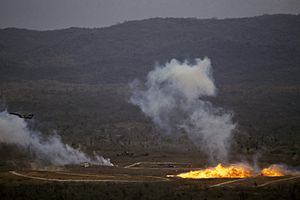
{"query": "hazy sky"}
(54, 14)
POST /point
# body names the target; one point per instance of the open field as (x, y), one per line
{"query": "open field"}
(78, 84)
(144, 182)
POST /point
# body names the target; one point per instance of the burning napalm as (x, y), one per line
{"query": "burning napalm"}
(273, 170)
(173, 96)
(232, 171)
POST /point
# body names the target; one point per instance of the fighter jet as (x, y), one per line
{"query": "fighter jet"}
(25, 116)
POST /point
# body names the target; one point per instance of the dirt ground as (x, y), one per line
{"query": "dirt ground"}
(141, 180)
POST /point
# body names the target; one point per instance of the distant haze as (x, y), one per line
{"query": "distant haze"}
(56, 14)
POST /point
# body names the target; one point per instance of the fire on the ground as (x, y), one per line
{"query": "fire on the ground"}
(230, 171)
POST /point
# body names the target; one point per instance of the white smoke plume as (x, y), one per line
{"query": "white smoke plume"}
(172, 97)
(14, 130)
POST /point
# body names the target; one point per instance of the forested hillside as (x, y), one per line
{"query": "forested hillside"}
(76, 80)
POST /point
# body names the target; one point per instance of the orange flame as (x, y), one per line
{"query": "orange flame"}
(231, 171)
(273, 170)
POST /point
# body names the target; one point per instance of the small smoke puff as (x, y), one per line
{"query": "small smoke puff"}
(172, 98)
(14, 130)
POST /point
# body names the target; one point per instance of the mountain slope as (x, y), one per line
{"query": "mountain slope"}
(253, 49)
(76, 80)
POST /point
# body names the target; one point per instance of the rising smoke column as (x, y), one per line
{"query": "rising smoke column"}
(14, 130)
(172, 97)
